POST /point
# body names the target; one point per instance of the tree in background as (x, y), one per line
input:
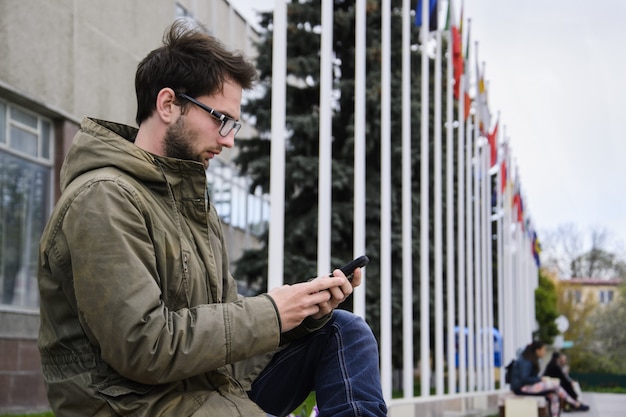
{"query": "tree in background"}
(580, 331)
(546, 310)
(564, 251)
(608, 347)
(301, 177)
(594, 329)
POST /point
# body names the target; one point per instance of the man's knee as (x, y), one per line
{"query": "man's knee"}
(346, 321)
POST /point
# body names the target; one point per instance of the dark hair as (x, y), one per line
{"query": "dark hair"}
(191, 62)
(530, 353)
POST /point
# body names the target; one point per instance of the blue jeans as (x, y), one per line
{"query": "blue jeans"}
(339, 362)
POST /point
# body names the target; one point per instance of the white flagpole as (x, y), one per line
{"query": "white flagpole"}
(407, 210)
(359, 150)
(324, 189)
(469, 235)
(385, 202)
(438, 214)
(509, 337)
(424, 212)
(476, 167)
(499, 217)
(461, 240)
(450, 254)
(488, 267)
(277, 157)
(485, 231)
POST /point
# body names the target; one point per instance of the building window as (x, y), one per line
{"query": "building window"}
(235, 204)
(606, 296)
(25, 198)
(575, 296)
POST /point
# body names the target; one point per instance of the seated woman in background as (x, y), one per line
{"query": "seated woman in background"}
(556, 369)
(525, 380)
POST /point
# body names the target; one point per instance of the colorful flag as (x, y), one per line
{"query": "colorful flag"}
(518, 206)
(503, 175)
(457, 50)
(432, 22)
(482, 103)
(493, 144)
(466, 95)
(536, 249)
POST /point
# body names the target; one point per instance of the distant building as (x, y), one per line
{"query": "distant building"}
(62, 61)
(581, 291)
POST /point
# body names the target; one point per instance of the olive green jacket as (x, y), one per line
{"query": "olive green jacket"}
(139, 314)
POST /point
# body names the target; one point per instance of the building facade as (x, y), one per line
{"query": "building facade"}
(580, 291)
(60, 61)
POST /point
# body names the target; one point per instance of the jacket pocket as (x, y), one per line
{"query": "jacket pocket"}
(126, 397)
(134, 399)
(173, 269)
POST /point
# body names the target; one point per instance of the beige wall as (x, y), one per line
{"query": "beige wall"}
(66, 59)
(80, 56)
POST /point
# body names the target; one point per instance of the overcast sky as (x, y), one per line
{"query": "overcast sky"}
(556, 71)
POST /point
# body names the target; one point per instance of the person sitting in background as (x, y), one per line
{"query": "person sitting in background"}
(556, 369)
(525, 380)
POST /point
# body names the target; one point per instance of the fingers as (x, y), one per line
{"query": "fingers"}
(356, 277)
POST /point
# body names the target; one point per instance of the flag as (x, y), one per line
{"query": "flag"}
(466, 95)
(536, 249)
(492, 138)
(518, 206)
(503, 175)
(432, 22)
(457, 50)
(482, 103)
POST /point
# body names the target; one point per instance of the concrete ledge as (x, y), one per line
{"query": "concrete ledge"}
(19, 323)
(476, 404)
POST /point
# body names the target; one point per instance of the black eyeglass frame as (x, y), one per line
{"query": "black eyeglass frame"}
(228, 123)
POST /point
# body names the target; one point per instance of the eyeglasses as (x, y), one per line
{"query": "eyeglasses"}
(228, 123)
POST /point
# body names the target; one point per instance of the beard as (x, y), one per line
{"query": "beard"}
(178, 142)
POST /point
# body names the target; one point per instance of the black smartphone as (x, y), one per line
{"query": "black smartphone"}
(348, 269)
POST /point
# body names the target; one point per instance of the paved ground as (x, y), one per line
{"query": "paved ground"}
(602, 405)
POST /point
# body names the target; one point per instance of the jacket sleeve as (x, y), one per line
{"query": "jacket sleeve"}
(119, 300)
(524, 374)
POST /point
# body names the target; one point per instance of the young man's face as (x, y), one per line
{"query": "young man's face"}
(195, 135)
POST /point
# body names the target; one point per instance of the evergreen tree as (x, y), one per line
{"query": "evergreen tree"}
(546, 310)
(301, 177)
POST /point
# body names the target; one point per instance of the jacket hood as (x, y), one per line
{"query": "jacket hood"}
(100, 144)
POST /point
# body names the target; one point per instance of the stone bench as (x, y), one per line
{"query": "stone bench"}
(513, 405)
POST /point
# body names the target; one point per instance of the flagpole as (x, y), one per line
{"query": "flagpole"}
(461, 241)
(476, 251)
(438, 213)
(359, 149)
(424, 212)
(499, 218)
(469, 223)
(450, 254)
(277, 156)
(407, 210)
(385, 202)
(325, 142)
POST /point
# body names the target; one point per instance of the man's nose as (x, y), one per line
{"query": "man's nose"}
(228, 141)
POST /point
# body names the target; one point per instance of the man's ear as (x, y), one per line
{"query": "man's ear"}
(166, 108)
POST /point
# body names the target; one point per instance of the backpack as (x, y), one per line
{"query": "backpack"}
(509, 371)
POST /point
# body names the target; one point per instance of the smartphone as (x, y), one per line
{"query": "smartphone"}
(348, 269)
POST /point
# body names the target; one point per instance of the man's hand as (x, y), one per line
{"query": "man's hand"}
(338, 294)
(315, 298)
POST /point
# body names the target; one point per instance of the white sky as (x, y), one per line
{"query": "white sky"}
(556, 71)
